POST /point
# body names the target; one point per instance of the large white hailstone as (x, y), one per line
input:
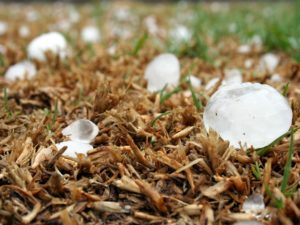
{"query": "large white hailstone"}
(24, 31)
(254, 204)
(195, 81)
(3, 28)
(21, 70)
(180, 34)
(53, 42)
(251, 113)
(81, 130)
(90, 34)
(74, 147)
(269, 62)
(161, 71)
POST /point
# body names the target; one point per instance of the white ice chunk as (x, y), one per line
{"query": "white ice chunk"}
(21, 70)
(180, 34)
(250, 113)
(151, 25)
(211, 83)
(24, 31)
(276, 77)
(254, 204)
(195, 81)
(90, 34)
(53, 42)
(248, 222)
(256, 40)
(248, 63)
(81, 130)
(161, 71)
(244, 49)
(3, 28)
(232, 76)
(74, 147)
(269, 62)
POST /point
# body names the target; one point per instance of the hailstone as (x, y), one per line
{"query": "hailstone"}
(195, 81)
(21, 70)
(53, 42)
(162, 70)
(254, 204)
(247, 222)
(74, 147)
(24, 31)
(269, 62)
(90, 34)
(180, 34)
(81, 131)
(252, 114)
(3, 28)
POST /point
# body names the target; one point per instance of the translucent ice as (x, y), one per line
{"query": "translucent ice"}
(3, 28)
(20, 71)
(53, 42)
(90, 34)
(250, 113)
(162, 70)
(269, 62)
(254, 204)
(195, 81)
(74, 147)
(24, 31)
(180, 34)
(82, 130)
(232, 76)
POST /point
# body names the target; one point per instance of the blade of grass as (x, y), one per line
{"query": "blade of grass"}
(138, 45)
(5, 98)
(196, 100)
(158, 117)
(264, 150)
(164, 97)
(256, 171)
(288, 165)
(285, 89)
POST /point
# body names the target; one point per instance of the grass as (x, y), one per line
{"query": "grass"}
(256, 171)
(288, 165)
(138, 44)
(164, 95)
(5, 104)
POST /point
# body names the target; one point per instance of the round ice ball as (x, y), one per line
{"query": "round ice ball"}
(81, 130)
(20, 71)
(252, 114)
(53, 42)
(90, 34)
(161, 71)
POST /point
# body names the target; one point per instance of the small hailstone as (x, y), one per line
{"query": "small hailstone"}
(211, 83)
(24, 31)
(2, 49)
(53, 42)
(195, 81)
(90, 34)
(244, 49)
(254, 204)
(32, 16)
(269, 61)
(248, 63)
(151, 25)
(3, 28)
(81, 131)
(251, 113)
(112, 50)
(161, 71)
(74, 147)
(248, 222)
(180, 34)
(256, 40)
(276, 77)
(20, 71)
(232, 76)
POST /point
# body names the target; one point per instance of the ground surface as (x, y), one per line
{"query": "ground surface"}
(153, 162)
